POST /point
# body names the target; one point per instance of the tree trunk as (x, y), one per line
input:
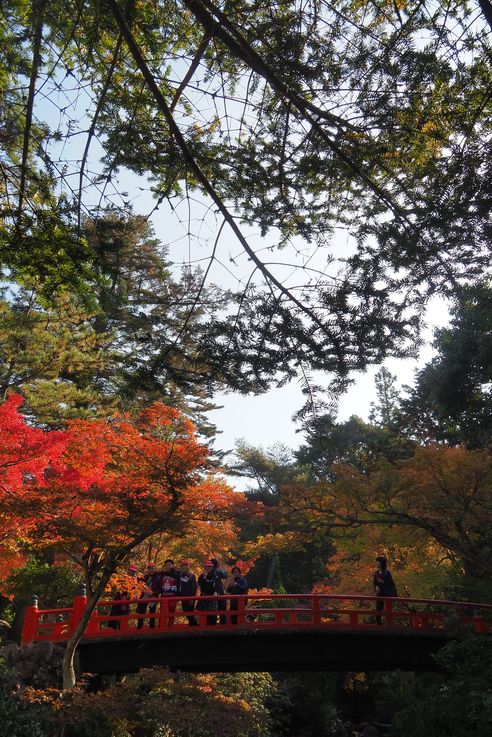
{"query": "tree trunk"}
(274, 575)
(69, 677)
(486, 8)
(271, 571)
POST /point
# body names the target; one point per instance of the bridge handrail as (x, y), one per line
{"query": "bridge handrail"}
(286, 597)
(159, 614)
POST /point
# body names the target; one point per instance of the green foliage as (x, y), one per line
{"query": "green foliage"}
(155, 323)
(467, 588)
(141, 341)
(458, 704)
(273, 470)
(51, 354)
(452, 396)
(158, 704)
(54, 585)
(386, 411)
(354, 442)
(262, 692)
(48, 252)
(310, 707)
(19, 718)
(269, 469)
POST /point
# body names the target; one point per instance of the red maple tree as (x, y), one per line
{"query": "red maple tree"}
(25, 453)
(103, 487)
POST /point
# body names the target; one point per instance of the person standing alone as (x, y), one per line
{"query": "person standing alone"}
(383, 583)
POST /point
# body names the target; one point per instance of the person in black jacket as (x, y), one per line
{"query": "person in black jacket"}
(152, 581)
(207, 583)
(187, 586)
(239, 587)
(169, 588)
(221, 576)
(383, 584)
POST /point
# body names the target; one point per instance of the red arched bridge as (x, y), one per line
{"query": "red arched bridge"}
(273, 632)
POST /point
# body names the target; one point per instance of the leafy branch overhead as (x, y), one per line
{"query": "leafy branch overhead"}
(356, 136)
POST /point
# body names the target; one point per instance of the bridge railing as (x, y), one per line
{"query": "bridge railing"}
(152, 616)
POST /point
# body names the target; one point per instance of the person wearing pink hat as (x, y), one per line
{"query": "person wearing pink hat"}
(207, 583)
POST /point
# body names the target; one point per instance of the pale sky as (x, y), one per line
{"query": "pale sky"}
(267, 419)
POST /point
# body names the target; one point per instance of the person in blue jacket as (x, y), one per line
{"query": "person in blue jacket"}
(239, 587)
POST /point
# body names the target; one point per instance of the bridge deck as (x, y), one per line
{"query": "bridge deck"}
(265, 650)
(259, 632)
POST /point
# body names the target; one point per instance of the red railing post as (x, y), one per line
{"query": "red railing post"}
(164, 614)
(30, 622)
(79, 605)
(316, 610)
(388, 608)
(353, 616)
(202, 617)
(478, 623)
(124, 624)
(241, 606)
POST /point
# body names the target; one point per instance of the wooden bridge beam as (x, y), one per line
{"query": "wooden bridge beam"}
(286, 650)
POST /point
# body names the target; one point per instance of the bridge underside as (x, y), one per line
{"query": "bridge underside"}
(295, 650)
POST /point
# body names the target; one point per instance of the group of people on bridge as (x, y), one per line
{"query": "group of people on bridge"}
(180, 584)
(174, 582)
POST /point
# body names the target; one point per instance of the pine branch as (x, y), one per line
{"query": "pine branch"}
(205, 182)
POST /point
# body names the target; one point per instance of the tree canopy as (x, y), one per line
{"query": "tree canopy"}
(451, 398)
(99, 489)
(302, 119)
